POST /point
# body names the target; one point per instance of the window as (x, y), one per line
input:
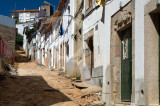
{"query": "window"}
(27, 20)
(67, 49)
(36, 14)
(32, 14)
(27, 14)
(21, 20)
(68, 9)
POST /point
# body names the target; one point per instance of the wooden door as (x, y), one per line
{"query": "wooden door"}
(126, 65)
(91, 47)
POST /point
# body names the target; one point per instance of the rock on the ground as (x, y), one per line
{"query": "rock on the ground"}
(92, 89)
(98, 103)
(79, 85)
(67, 76)
(73, 79)
(66, 104)
(39, 86)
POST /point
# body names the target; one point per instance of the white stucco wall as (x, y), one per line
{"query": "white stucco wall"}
(70, 27)
(90, 23)
(26, 16)
(139, 51)
(20, 28)
(110, 9)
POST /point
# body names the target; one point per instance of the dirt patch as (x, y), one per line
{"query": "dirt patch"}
(39, 86)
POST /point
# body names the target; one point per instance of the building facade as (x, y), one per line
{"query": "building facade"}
(108, 43)
(48, 8)
(7, 41)
(24, 16)
(8, 31)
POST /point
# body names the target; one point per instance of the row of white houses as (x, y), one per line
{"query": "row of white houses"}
(115, 46)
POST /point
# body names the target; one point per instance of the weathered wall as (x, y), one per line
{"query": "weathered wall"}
(110, 9)
(78, 40)
(151, 52)
(93, 26)
(1, 69)
(8, 34)
(120, 21)
(151, 59)
(138, 56)
(68, 27)
(145, 65)
(49, 9)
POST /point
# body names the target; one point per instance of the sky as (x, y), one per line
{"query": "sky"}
(6, 6)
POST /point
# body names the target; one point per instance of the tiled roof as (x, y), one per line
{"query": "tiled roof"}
(33, 10)
(61, 5)
(54, 18)
(56, 15)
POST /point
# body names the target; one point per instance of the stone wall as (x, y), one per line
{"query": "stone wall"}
(78, 41)
(151, 53)
(120, 21)
(96, 78)
(49, 9)
(8, 34)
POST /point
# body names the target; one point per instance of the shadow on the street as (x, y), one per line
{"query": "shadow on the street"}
(20, 57)
(28, 91)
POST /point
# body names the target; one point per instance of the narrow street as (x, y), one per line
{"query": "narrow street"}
(36, 85)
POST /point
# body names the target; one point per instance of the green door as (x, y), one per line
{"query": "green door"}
(126, 65)
(159, 69)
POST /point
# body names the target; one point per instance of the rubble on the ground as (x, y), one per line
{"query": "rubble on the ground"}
(79, 85)
(98, 103)
(92, 89)
(39, 86)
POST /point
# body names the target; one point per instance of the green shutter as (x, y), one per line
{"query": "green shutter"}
(126, 71)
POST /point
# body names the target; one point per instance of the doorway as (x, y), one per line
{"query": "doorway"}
(126, 65)
(91, 47)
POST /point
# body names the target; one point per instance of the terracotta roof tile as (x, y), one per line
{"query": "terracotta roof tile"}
(33, 10)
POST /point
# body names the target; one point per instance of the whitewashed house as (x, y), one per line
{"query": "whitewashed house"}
(24, 16)
(60, 37)
(131, 53)
(93, 29)
(120, 49)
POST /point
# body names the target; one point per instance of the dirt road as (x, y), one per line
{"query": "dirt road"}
(39, 86)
